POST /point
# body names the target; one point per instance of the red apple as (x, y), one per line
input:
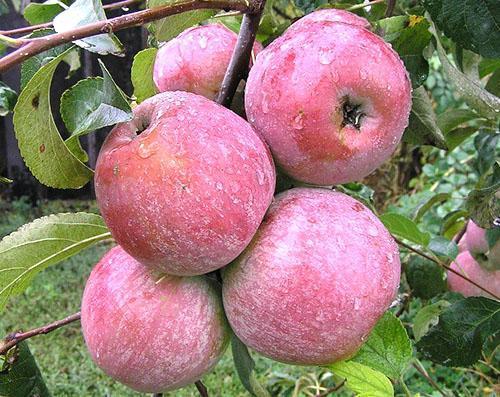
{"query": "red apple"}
(149, 331)
(465, 264)
(331, 99)
(477, 243)
(318, 275)
(196, 60)
(331, 15)
(185, 184)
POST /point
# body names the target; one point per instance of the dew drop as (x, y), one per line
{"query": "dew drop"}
(373, 232)
(325, 57)
(219, 186)
(298, 121)
(265, 104)
(144, 151)
(203, 42)
(357, 303)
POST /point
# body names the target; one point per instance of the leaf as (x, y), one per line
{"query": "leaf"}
(363, 380)
(422, 128)
(390, 28)
(5, 180)
(37, 13)
(167, 28)
(245, 366)
(42, 148)
(443, 247)
(428, 317)
(474, 25)
(94, 103)
(493, 84)
(83, 12)
(487, 149)
(142, 74)
(425, 278)
(8, 98)
(410, 45)
(488, 66)
(483, 203)
(482, 101)
(42, 243)
(404, 227)
(428, 203)
(461, 332)
(453, 118)
(22, 377)
(388, 348)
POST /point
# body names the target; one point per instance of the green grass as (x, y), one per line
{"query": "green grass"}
(69, 371)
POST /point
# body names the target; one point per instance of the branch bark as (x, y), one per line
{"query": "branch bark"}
(13, 339)
(202, 389)
(37, 45)
(424, 255)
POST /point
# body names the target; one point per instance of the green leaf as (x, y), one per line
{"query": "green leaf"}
(245, 366)
(443, 247)
(8, 98)
(142, 74)
(390, 28)
(453, 118)
(388, 348)
(422, 128)
(42, 148)
(94, 103)
(488, 66)
(410, 45)
(37, 13)
(474, 25)
(487, 151)
(363, 380)
(22, 377)
(425, 278)
(483, 202)
(4, 8)
(482, 101)
(33, 64)
(5, 180)
(404, 227)
(42, 243)
(428, 203)
(84, 12)
(167, 28)
(428, 317)
(462, 329)
(493, 84)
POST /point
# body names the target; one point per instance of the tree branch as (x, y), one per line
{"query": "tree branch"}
(426, 256)
(31, 28)
(37, 45)
(421, 370)
(201, 388)
(238, 66)
(14, 338)
(332, 389)
(391, 4)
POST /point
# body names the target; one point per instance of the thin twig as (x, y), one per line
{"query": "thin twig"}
(238, 66)
(332, 389)
(37, 45)
(390, 8)
(421, 370)
(13, 339)
(201, 388)
(364, 5)
(29, 29)
(426, 256)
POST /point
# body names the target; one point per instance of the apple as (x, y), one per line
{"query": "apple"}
(330, 15)
(196, 60)
(150, 331)
(185, 184)
(331, 99)
(320, 272)
(477, 243)
(466, 265)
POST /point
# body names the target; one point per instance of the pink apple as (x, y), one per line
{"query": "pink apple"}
(149, 331)
(185, 184)
(477, 243)
(466, 265)
(196, 60)
(318, 275)
(331, 99)
(330, 15)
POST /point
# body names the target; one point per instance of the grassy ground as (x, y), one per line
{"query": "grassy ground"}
(67, 368)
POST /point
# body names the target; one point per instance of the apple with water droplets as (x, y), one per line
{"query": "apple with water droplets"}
(185, 184)
(331, 99)
(477, 243)
(329, 15)
(150, 331)
(320, 272)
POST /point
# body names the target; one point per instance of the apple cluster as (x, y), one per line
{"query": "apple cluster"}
(187, 189)
(479, 260)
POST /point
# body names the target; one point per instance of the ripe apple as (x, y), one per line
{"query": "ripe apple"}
(331, 15)
(466, 264)
(185, 184)
(331, 99)
(318, 275)
(196, 60)
(477, 243)
(149, 331)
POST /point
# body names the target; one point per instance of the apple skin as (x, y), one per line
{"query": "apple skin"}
(188, 193)
(468, 266)
(149, 331)
(331, 15)
(305, 85)
(477, 244)
(196, 60)
(318, 275)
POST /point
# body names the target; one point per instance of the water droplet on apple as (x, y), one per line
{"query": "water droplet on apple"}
(373, 232)
(203, 42)
(357, 303)
(298, 121)
(146, 150)
(265, 103)
(219, 186)
(325, 57)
